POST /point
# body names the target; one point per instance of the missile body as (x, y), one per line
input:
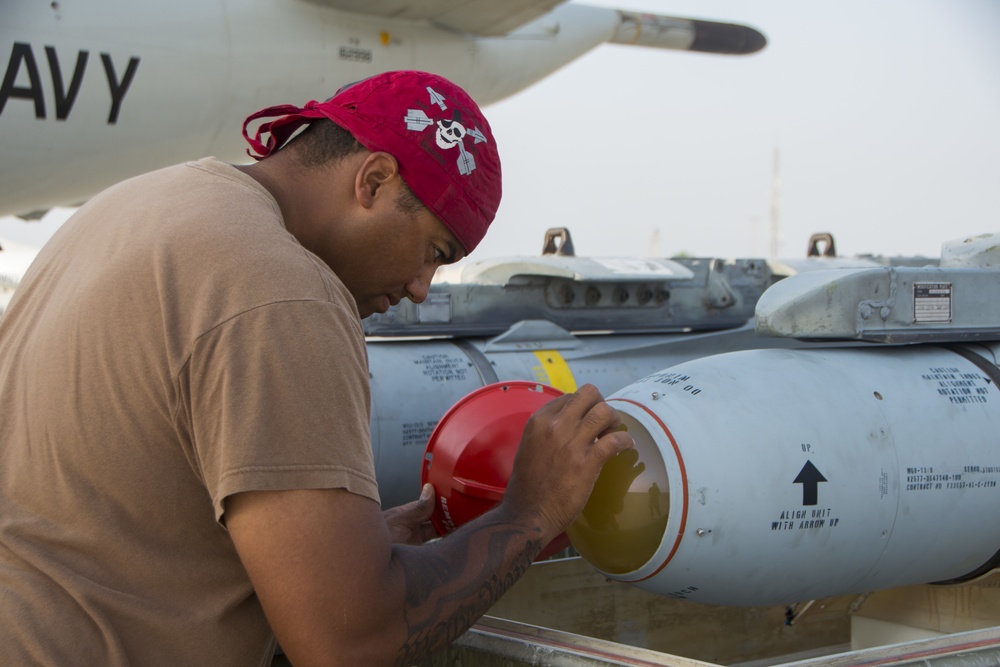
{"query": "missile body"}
(776, 476)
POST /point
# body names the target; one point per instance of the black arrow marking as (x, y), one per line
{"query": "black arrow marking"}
(809, 477)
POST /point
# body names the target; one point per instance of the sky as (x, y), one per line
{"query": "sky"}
(884, 117)
(884, 114)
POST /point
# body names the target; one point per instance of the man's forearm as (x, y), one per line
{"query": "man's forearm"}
(451, 583)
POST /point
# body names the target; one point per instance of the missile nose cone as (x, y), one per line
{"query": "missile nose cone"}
(622, 525)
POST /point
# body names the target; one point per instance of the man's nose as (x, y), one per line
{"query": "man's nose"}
(418, 287)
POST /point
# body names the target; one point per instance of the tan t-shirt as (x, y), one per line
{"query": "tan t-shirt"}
(172, 345)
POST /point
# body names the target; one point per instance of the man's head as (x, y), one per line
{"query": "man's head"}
(435, 131)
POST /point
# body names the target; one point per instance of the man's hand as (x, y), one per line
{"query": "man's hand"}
(410, 523)
(564, 446)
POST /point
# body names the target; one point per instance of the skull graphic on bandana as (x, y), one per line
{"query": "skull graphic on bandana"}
(450, 133)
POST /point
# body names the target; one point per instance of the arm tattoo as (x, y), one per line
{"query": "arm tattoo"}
(444, 597)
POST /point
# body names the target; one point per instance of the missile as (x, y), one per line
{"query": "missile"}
(773, 476)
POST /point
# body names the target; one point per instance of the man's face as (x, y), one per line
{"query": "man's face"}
(394, 256)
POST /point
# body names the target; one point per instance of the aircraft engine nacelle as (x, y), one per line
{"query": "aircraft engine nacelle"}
(775, 476)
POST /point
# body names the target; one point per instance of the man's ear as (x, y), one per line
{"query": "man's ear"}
(378, 169)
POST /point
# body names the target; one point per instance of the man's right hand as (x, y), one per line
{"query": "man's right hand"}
(564, 446)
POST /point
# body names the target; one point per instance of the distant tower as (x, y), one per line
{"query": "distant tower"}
(654, 243)
(776, 204)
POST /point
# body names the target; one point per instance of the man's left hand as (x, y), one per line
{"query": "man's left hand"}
(410, 523)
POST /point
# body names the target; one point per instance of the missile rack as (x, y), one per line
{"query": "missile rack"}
(620, 295)
(886, 300)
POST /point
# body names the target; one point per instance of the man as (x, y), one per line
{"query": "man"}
(185, 462)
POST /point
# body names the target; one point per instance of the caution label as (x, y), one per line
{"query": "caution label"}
(441, 367)
(957, 386)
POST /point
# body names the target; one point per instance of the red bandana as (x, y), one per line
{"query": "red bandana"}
(444, 146)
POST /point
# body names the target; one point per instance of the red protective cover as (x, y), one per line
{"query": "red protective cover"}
(470, 454)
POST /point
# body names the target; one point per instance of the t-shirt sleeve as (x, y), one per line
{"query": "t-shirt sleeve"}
(279, 399)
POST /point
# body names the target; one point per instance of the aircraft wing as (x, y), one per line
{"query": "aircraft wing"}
(495, 18)
(485, 18)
